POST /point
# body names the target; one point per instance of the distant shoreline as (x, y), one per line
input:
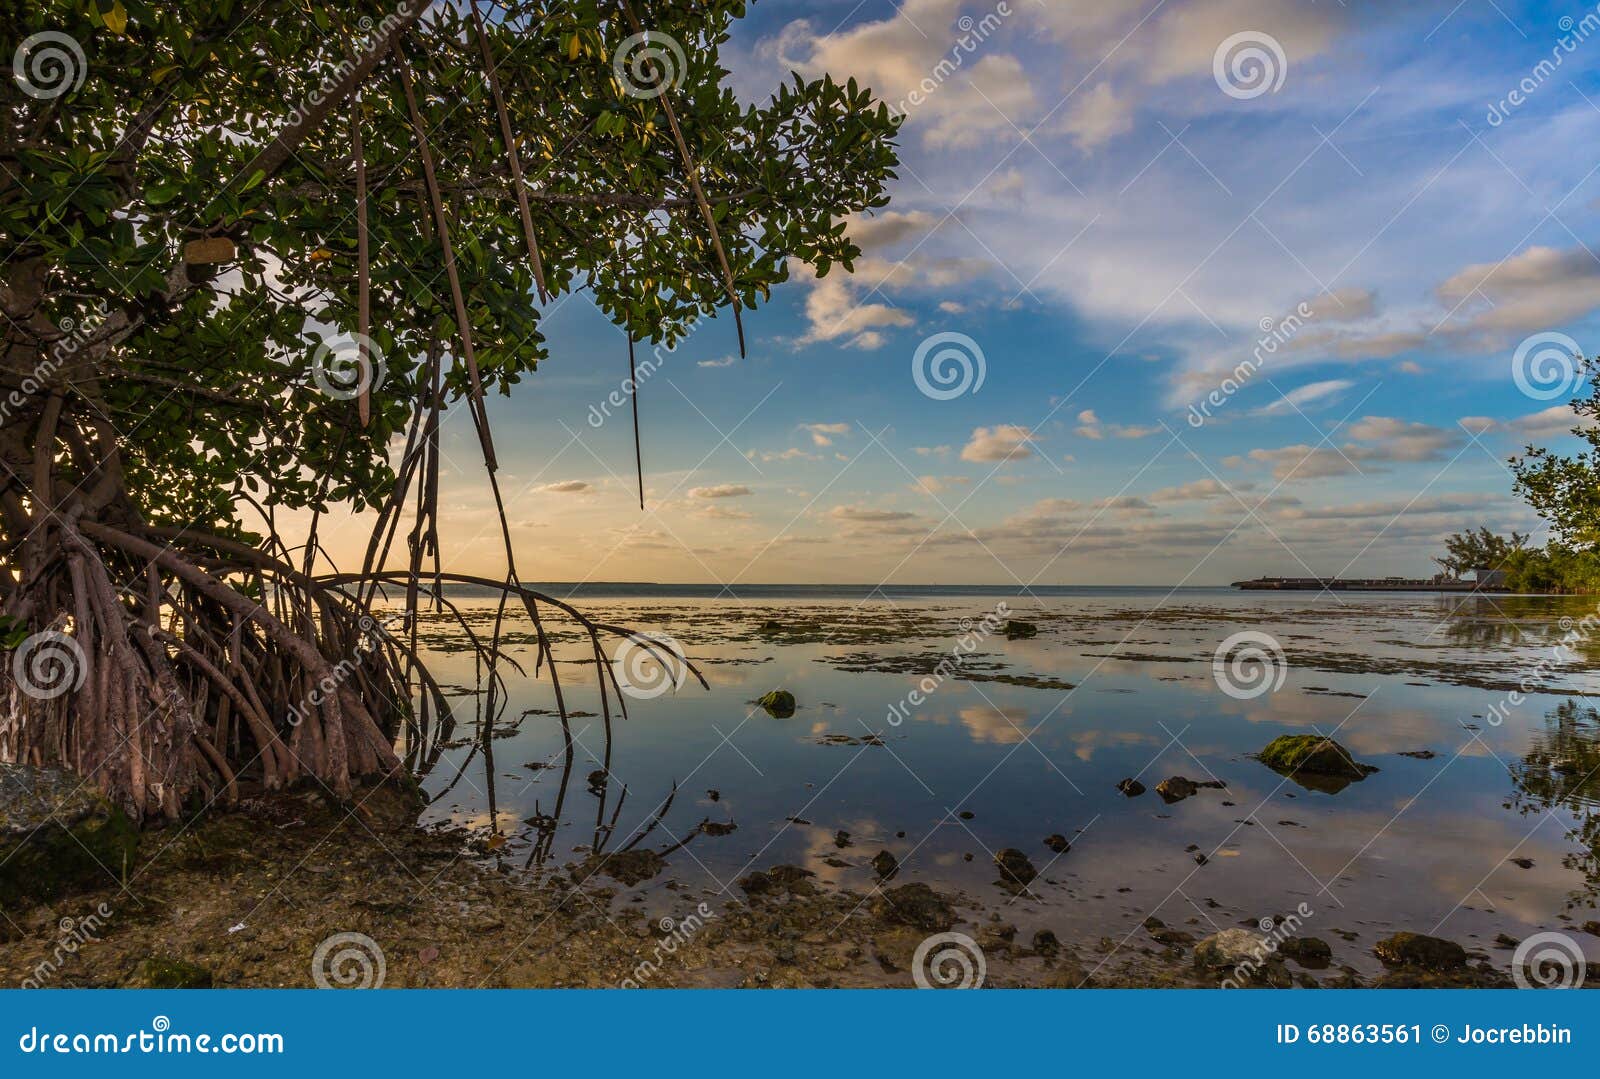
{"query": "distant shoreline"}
(591, 590)
(1367, 584)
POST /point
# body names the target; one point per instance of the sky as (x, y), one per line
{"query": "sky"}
(1387, 212)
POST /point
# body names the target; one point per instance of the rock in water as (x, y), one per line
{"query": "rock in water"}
(916, 905)
(885, 865)
(1057, 843)
(631, 867)
(779, 879)
(1229, 948)
(1420, 950)
(1310, 952)
(1016, 630)
(1015, 867)
(1314, 762)
(57, 834)
(1176, 789)
(779, 704)
(1131, 787)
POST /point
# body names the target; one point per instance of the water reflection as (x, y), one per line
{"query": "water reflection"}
(1561, 772)
(447, 765)
(989, 764)
(1522, 621)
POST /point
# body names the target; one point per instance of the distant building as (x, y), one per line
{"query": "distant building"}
(1490, 578)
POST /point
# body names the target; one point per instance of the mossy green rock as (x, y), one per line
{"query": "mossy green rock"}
(166, 972)
(779, 703)
(57, 834)
(1314, 762)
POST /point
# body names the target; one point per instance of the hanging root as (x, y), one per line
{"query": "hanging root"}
(169, 666)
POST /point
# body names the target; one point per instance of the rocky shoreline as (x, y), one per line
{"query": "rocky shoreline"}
(247, 898)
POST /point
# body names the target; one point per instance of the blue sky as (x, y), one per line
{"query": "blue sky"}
(1112, 223)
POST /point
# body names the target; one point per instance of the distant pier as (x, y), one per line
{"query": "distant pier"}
(1363, 584)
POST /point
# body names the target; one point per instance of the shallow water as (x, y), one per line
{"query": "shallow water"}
(1422, 844)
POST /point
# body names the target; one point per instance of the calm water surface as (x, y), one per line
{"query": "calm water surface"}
(1495, 833)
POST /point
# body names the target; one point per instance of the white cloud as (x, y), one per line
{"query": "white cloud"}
(1342, 305)
(1540, 288)
(1096, 116)
(1377, 441)
(723, 513)
(721, 490)
(1303, 396)
(938, 485)
(869, 515)
(791, 454)
(1550, 422)
(567, 487)
(1199, 490)
(1089, 426)
(1003, 442)
(911, 61)
(835, 312)
(823, 434)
